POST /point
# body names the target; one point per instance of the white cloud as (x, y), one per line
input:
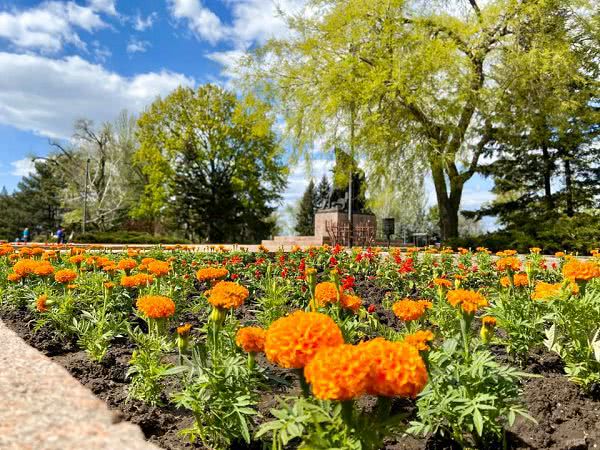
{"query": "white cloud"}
(72, 88)
(49, 26)
(22, 167)
(253, 21)
(106, 6)
(300, 175)
(142, 24)
(204, 23)
(137, 46)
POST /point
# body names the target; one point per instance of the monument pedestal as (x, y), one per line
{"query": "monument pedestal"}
(333, 225)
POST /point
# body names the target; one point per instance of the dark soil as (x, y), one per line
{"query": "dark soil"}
(568, 419)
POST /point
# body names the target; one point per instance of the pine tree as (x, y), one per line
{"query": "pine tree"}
(322, 191)
(305, 219)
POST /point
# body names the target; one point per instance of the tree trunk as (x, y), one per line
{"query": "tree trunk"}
(547, 173)
(448, 204)
(569, 186)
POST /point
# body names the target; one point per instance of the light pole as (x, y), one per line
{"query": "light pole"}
(85, 189)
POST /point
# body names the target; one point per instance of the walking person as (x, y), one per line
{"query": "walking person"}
(60, 235)
(26, 235)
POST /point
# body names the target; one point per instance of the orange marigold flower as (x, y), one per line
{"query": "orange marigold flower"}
(77, 259)
(351, 302)
(488, 321)
(508, 263)
(443, 282)
(326, 292)
(251, 339)
(184, 330)
(137, 280)
(408, 310)
(156, 306)
(65, 276)
(227, 294)
(211, 273)
(41, 303)
(420, 339)
(520, 280)
(43, 269)
(338, 373)
(14, 277)
(159, 268)
(292, 341)
(6, 250)
(25, 267)
(110, 267)
(146, 261)
(576, 270)
(560, 254)
(547, 291)
(109, 285)
(535, 250)
(397, 369)
(469, 301)
(127, 264)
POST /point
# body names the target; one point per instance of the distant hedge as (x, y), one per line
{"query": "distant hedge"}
(578, 234)
(126, 237)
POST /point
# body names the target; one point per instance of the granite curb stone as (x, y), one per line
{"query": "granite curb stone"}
(42, 407)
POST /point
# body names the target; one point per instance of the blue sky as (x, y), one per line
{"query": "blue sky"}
(64, 60)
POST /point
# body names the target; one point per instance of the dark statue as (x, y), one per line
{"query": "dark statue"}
(338, 197)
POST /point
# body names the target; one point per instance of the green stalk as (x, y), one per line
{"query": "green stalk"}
(348, 412)
(465, 324)
(303, 383)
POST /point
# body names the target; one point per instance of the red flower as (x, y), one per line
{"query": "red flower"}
(257, 274)
(371, 308)
(302, 266)
(348, 283)
(234, 276)
(407, 266)
(359, 257)
(333, 261)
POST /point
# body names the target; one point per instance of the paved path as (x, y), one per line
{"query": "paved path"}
(43, 408)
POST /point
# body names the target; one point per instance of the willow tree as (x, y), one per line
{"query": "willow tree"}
(403, 83)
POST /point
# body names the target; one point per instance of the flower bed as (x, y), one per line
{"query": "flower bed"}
(323, 347)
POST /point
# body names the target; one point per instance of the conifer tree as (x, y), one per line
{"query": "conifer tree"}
(305, 218)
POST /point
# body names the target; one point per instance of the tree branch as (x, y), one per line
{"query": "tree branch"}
(476, 8)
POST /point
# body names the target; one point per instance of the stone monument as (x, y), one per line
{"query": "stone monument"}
(332, 219)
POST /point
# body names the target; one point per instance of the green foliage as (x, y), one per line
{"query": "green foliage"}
(305, 218)
(97, 327)
(128, 237)
(221, 390)
(212, 163)
(274, 301)
(578, 234)
(414, 87)
(523, 320)
(147, 367)
(61, 316)
(470, 398)
(575, 336)
(35, 203)
(314, 424)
